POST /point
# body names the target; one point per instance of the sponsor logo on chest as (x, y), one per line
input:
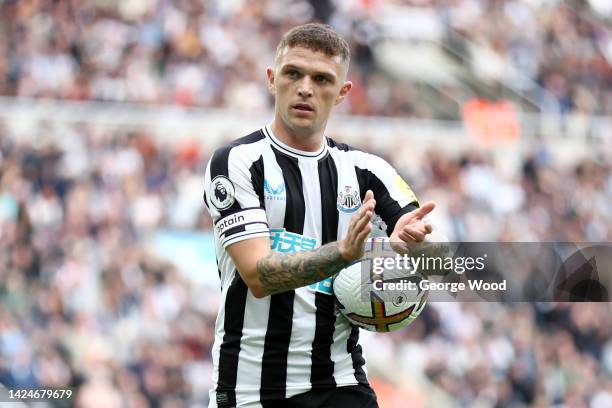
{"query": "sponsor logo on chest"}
(274, 192)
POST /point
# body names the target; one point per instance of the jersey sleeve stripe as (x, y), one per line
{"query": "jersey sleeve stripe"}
(250, 220)
(245, 227)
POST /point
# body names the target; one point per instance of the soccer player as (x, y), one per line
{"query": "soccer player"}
(291, 208)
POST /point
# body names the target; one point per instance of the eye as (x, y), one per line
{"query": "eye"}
(322, 79)
(293, 74)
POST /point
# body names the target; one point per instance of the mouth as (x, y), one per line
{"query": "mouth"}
(303, 107)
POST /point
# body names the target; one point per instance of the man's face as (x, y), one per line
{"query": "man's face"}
(306, 84)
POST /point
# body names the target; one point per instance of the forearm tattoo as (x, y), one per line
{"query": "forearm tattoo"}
(282, 272)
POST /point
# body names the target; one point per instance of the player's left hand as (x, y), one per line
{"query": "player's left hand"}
(412, 227)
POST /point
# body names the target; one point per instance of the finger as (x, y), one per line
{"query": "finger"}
(363, 221)
(369, 206)
(369, 195)
(416, 233)
(425, 209)
(363, 234)
(406, 237)
(421, 226)
(357, 223)
(362, 212)
(428, 227)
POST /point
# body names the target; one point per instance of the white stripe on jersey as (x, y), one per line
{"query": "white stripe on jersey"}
(251, 347)
(275, 203)
(345, 163)
(304, 309)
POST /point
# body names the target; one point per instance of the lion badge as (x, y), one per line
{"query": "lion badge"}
(222, 193)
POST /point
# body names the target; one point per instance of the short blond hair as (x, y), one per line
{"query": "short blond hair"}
(316, 37)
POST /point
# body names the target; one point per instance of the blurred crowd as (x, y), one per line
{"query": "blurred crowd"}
(85, 302)
(558, 52)
(489, 355)
(213, 53)
(186, 52)
(82, 301)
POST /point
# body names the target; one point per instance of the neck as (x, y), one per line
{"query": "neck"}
(307, 142)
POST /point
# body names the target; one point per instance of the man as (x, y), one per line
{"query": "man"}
(291, 208)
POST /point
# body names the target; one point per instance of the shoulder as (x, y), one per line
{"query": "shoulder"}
(245, 141)
(243, 152)
(362, 159)
(346, 151)
(343, 147)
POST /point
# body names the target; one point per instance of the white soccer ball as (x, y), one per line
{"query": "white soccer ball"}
(376, 310)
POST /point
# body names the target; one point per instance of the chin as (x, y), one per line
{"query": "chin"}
(302, 126)
(303, 130)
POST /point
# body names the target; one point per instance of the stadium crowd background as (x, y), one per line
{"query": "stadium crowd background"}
(212, 53)
(85, 303)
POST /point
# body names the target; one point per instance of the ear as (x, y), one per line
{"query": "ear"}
(346, 88)
(271, 87)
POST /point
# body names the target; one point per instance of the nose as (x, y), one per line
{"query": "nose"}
(305, 88)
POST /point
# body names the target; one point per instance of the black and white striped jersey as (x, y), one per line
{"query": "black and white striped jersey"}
(286, 344)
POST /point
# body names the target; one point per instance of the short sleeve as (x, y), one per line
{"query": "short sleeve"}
(231, 199)
(393, 195)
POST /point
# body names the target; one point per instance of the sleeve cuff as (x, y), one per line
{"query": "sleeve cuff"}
(242, 224)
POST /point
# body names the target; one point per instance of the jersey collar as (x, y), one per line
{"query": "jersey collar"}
(290, 151)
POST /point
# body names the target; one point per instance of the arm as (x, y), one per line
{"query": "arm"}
(266, 272)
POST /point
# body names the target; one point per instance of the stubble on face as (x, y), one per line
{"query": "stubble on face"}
(306, 84)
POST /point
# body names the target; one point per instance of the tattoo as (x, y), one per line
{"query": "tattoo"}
(282, 272)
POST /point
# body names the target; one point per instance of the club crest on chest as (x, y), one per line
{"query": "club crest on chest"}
(348, 200)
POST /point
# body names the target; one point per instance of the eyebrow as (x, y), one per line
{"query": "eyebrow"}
(324, 73)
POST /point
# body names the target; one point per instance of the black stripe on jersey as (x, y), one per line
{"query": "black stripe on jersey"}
(234, 238)
(388, 209)
(322, 373)
(219, 163)
(240, 228)
(257, 178)
(295, 207)
(235, 302)
(280, 318)
(354, 350)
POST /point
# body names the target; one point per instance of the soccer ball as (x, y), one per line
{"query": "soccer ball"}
(377, 310)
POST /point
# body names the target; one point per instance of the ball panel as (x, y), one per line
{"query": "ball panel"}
(375, 314)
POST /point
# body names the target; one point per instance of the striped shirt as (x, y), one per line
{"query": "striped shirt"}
(289, 343)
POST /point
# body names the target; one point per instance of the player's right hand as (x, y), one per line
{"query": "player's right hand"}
(360, 227)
